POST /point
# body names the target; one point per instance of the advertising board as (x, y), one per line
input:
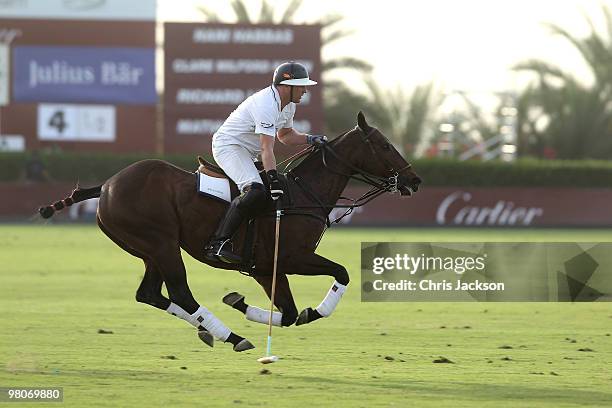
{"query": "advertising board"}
(485, 207)
(108, 66)
(124, 75)
(211, 68)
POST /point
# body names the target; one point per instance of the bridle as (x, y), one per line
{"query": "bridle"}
(384, 184)
(379, 184)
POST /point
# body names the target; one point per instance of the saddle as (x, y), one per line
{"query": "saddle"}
(216, 177)
(212, 170)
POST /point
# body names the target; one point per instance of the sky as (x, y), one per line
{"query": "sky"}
(466, 45)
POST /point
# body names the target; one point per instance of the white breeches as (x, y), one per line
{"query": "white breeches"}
(238, 163)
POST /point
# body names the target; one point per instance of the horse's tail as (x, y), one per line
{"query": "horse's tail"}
(78, 194)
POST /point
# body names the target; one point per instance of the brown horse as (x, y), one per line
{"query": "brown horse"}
(151, 209)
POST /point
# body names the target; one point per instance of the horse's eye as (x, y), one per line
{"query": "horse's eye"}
(387, 146)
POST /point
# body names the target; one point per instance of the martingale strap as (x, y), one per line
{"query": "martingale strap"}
(300, 183)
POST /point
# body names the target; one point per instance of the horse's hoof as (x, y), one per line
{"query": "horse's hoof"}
(232, 298)
(206, 337)
(46, 212)
(308, 315)
(303, 318)
(243, 345)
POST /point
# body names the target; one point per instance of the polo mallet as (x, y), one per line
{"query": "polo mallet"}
(269, 358)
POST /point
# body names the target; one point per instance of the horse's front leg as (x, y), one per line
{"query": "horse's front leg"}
(312, 265)
(283, 300)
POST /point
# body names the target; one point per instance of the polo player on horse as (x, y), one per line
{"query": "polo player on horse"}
(248, 132)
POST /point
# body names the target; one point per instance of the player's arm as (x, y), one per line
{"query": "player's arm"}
(267, 152)
(290, 136)
(269, 162)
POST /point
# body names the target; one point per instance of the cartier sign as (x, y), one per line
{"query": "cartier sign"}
(487, 207)
(455, 209)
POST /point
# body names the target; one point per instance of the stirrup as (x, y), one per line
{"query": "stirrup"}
(216, 251)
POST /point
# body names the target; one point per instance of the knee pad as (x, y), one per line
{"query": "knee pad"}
(253, 201)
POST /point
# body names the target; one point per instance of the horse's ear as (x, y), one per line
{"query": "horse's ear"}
(361, 122)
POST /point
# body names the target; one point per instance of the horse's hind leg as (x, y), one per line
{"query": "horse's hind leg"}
(283, 300)
(170, 264)
(149, 291)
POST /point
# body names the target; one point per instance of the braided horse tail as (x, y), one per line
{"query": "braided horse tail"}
(78, 194)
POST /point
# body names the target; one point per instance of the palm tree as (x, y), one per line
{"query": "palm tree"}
(403, 116)
(561, 112)
(341, 106)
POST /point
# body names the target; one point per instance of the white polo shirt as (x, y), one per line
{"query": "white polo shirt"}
(259, 114)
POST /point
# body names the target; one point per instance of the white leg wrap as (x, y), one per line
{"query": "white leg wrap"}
(328, 305)
(258, 315)
(203, 317)
(178, 311)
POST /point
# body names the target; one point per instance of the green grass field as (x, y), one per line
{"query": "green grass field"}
(60, 284)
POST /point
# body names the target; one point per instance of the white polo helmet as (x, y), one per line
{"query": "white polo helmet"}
(292, 73)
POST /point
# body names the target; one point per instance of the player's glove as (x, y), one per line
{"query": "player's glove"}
(316, 140)
(276, 190)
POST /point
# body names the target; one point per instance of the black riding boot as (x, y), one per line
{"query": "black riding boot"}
(220, 246)
(243, 207)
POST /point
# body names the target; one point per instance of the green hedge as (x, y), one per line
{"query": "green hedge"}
(82, 167)
(97, 167)
(522, 173)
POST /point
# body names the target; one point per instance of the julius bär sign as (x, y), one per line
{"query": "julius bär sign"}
(79, 85)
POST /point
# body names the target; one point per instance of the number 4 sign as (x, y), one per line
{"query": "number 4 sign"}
(57, 122)
(87, 123)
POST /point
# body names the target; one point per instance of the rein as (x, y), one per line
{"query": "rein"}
(296, 156)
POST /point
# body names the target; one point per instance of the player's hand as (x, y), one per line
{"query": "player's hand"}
(316, 140)
(276, 190)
